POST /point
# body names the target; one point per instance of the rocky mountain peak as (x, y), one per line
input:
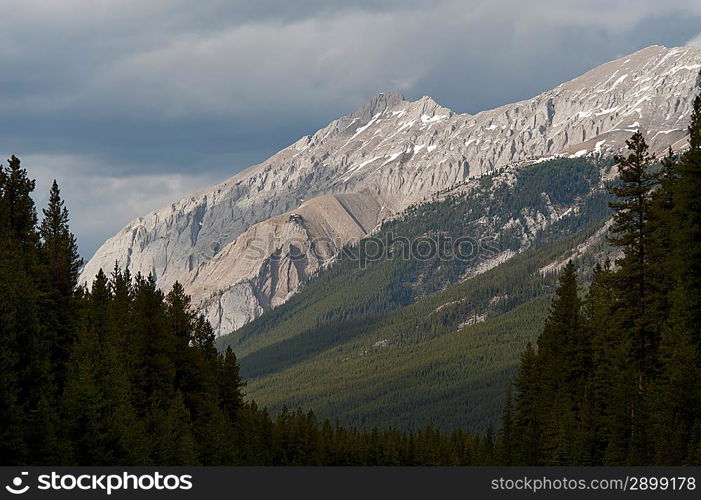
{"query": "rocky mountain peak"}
(378, 104)
(350, 175)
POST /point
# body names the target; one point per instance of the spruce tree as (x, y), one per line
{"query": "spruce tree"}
(564, 356)
(528, 412)
(230, 385)
(661, 223)
(173, 442)
(18, 210)
(59, 253)
(563, 348)
(676, 399)
(687, 228)
(506, 432)
(28, 391)
(179, 314)
(82, 404)
(153, 374)
(121, 311)
(631, 234)
(125, 435)
(12, 445)
(607, 380)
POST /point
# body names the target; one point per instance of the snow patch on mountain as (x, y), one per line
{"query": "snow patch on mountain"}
(389, 153)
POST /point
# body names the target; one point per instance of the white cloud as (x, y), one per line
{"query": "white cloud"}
(87, 86)
(177, 58)
(101, 203)
(268, 67)
(695, 42)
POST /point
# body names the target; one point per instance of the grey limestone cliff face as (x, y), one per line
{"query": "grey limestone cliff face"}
(235, 245)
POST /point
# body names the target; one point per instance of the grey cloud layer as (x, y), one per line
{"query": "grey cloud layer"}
(173, 89)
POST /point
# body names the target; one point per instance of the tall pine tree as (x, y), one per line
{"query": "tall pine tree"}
(631, 234)
(60, 259)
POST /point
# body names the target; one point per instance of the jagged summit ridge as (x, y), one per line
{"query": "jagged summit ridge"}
(377, 104)
(387, 154)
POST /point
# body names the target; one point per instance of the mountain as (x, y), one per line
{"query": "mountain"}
(395, 341)
(243, 247)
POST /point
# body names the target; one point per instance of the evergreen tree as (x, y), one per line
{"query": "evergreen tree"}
(172, 435)
(563, 360)
(631, 230)
(12, 445)
(82, 404)
(662, 274)
(506, 432)
(179, 314)
(27, 392)
(687, 229)
(19, 217)
(123, 374)
(59, 254)
(676, 399)
(121, 314)
(230, 385)
(563, 348)
(154, 371)
(528, 412)
(608, 380)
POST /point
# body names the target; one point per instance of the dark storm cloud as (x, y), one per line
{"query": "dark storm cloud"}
(133, 103)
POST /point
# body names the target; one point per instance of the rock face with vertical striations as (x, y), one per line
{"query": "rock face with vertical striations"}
(243, 246)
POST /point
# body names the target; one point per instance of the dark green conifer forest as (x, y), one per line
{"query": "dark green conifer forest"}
(616, 376)
(122, 373)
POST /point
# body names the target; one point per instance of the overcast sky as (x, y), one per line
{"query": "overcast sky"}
(131, 104)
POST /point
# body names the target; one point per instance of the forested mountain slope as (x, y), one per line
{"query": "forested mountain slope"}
(388, 154)
(389, 341)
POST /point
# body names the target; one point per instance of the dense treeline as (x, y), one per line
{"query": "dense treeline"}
(446, 359)
(117, 374)
(616, 375)
(123, 374)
